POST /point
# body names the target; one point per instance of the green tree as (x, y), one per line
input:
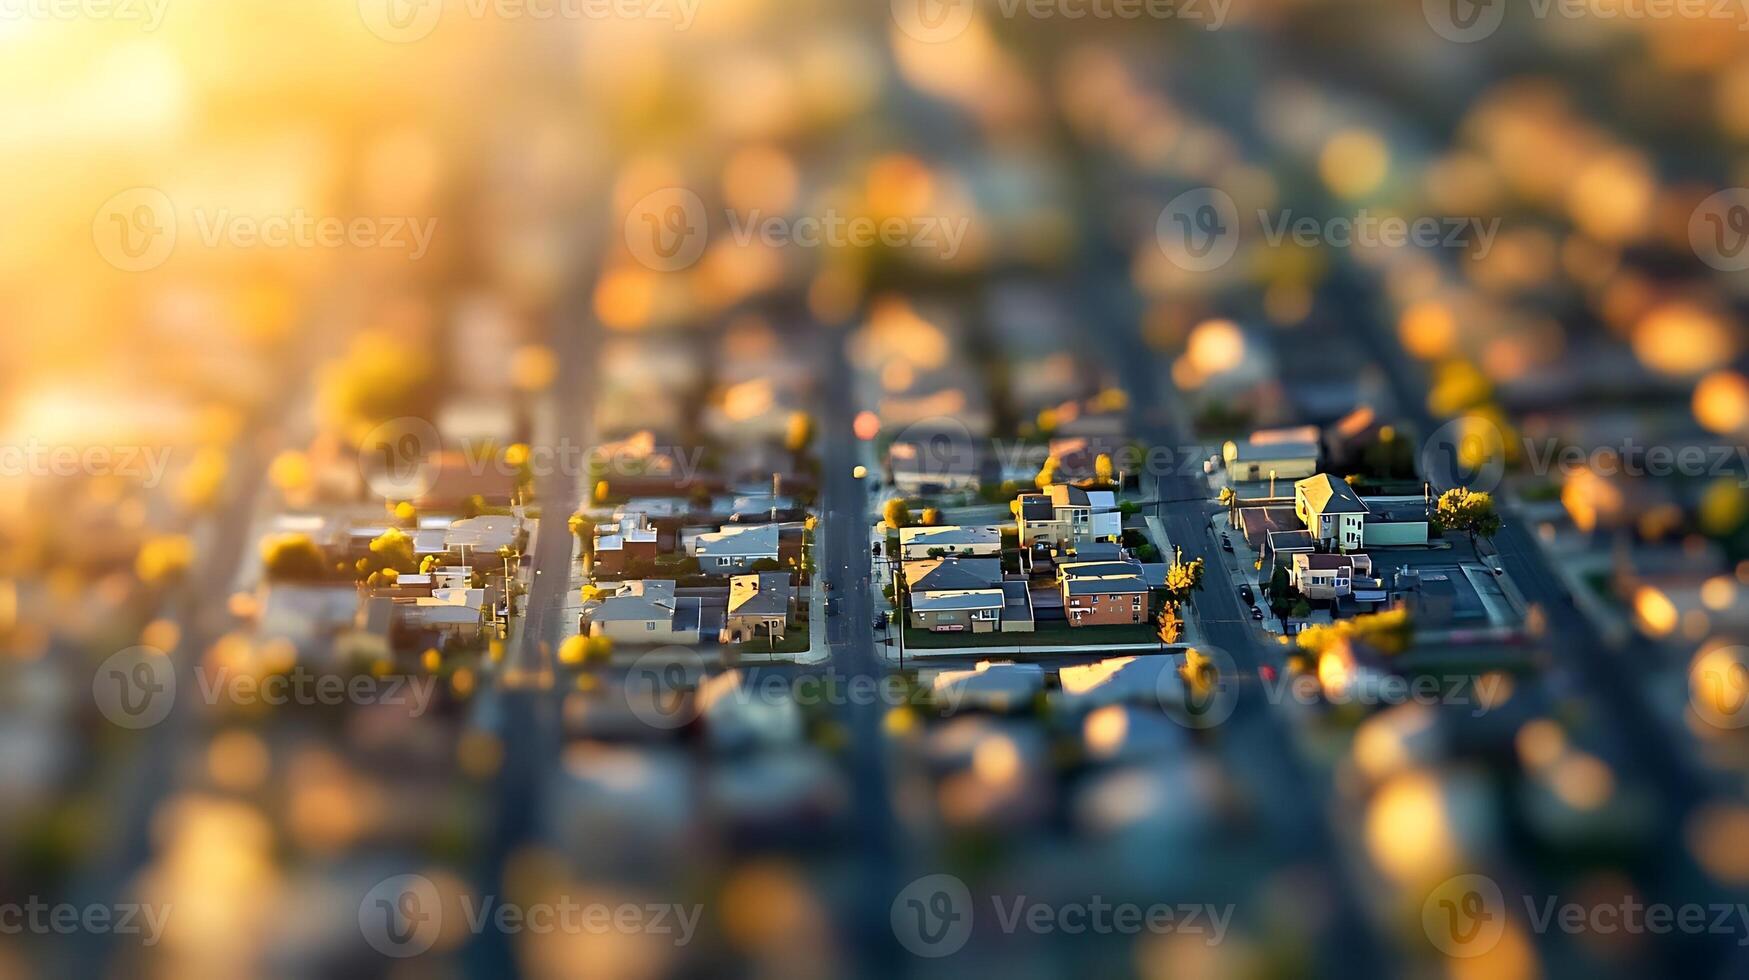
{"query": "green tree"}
(1047, 474)
(1471, 512)
(293, 558)
(799, 434)
(393, 549)
(896, 513)
(1182, 579)
(1388, 632)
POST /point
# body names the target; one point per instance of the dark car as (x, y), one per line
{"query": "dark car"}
(1226, 543)
(1246, 594)
(880, 622)
(1256, 613)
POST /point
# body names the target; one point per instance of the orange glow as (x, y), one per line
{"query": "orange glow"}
(1216, 346)
(1429, 330)
(1682, 339)
(1354, 163)
(866, 426)
(1721, 402)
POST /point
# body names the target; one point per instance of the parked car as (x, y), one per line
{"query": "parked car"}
(1226, 543)
(880, 622)
(1246, 594)
(1256, 613)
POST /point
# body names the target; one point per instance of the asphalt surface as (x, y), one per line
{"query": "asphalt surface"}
(846, 565)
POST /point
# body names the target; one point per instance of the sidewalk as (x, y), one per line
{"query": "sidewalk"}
(1192, 622)
(1242, 568)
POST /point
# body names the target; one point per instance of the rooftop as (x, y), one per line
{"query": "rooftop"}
(764, 594)
(952, 574)
(950, 536)
(1327, 495)
(739, 541)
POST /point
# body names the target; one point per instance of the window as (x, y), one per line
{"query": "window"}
(650, 627)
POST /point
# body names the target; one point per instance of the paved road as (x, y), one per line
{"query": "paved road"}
(1294, 808)
(846, 563)
(522, 706)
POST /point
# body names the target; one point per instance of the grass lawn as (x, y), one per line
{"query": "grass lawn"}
(795, 640)
(1060, 634)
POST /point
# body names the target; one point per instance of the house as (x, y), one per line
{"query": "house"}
(1330, 577)
(757, 603)
(1397, 522)
(949, 595)
(618, 546)
(1105, 593)
(448, 610)
(1286, 454)
(932, 542)
(479, 539)
(645, 611)
(990, 686)
(1016, 608)
(1064, 514)
(1078, 456)
(736, 548)
(310, 617)
(457, 482)
(1331, 511)
(924, 467)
